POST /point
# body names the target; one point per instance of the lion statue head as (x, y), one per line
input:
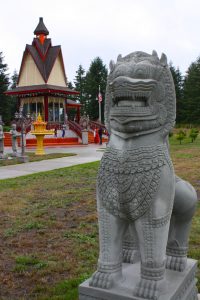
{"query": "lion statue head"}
(140, 95)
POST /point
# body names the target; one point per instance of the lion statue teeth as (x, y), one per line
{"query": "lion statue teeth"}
(139, 198)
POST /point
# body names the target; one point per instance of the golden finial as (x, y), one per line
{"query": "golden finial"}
(39, 118)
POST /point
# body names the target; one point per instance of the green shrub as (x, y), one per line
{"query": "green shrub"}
(181, 135)
(193, 134)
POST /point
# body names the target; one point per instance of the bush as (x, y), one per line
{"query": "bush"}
(193, 134)
(181, 135)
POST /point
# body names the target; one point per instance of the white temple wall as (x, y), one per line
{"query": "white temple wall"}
(30, 74)
(57, 76)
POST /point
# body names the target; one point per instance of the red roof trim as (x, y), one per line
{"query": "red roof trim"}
(40, 53)
(73, 105)
(48, 91)
(67, 92)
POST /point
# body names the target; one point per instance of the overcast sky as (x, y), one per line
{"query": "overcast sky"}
(86, 29)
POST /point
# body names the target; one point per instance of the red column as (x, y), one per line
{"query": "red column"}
(46, 114)
(65, 109)
(18, 103)
(78, 114)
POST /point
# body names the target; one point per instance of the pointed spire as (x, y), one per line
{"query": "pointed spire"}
(41, 28)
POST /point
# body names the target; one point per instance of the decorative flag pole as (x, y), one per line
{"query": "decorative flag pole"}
(100, 100)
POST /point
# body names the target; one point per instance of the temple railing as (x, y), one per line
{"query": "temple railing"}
(53, 125)
(75, 127)
(95, 124)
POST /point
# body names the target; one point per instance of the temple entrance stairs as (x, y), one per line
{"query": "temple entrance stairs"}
(69, 139)
(73, 136)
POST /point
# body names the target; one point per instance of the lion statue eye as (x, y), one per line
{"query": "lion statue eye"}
(121, 71)
(141, 72)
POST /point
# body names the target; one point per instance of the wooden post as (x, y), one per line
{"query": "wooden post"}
(78, 114)
(46, 109)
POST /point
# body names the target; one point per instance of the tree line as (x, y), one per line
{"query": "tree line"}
(88, 83)
(7, 104)
(187, 94)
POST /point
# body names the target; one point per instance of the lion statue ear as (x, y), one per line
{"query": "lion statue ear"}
(119, 58)
(154, 53)
(163, 60)
(112, 65)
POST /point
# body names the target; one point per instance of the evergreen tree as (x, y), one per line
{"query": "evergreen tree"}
(95, 77)
(80, 87)
(178, 83)
(191, 101)
(70, 85)
(72, 111)
(14, 100)
(4, 100)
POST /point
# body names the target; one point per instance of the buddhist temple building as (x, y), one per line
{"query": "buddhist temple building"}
(42, 83)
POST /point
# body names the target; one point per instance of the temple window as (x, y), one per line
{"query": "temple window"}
(56, 110)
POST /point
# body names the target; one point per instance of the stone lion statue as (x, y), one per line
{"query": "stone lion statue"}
(145, 211)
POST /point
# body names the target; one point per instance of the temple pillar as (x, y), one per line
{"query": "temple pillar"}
(78, 114)
(65, 111)
(46, 111)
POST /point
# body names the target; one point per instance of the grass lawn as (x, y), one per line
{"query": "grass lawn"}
(33, 157)
(49, 232)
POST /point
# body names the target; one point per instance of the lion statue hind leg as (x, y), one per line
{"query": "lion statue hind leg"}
(184, 207)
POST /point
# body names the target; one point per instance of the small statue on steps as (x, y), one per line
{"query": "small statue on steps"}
(14, 134)
(1, 143)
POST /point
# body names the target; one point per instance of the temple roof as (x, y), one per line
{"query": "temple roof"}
(27, 91)
(44, 56)
(41, 28)
(43, 53)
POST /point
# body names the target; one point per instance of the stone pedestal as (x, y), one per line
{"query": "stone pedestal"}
(179, 285)
(14, 154)
(85, 137)
(23, 158)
